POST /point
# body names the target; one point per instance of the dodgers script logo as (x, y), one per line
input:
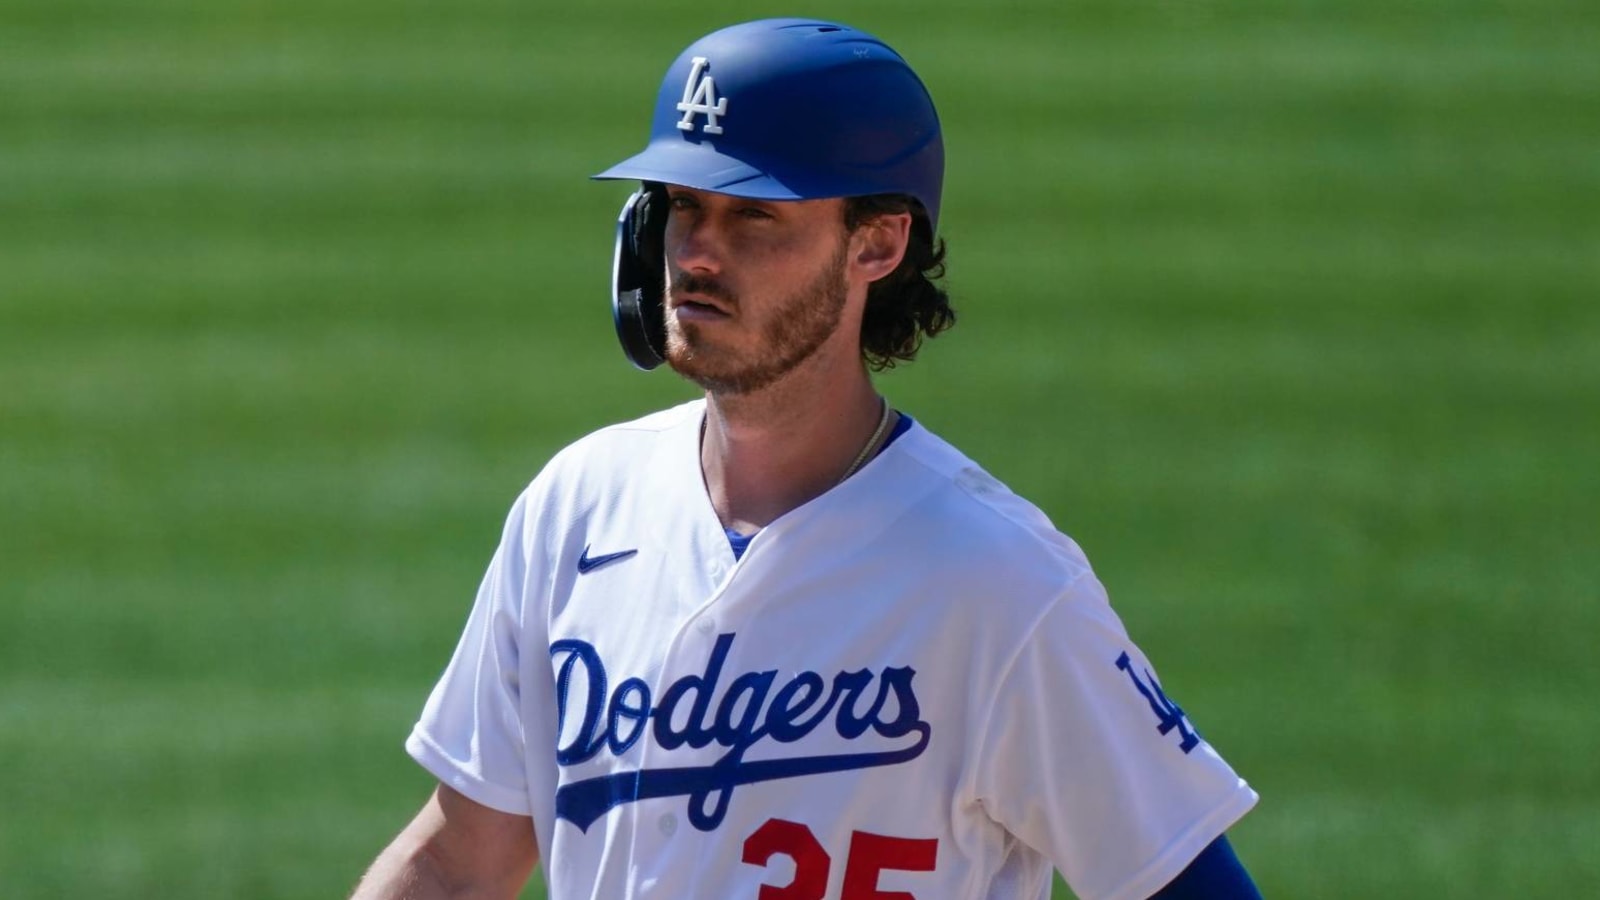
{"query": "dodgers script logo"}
(738, 718)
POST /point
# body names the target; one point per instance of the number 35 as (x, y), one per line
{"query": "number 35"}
(869, 854)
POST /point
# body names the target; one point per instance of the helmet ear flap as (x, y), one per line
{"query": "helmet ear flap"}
(638, 273)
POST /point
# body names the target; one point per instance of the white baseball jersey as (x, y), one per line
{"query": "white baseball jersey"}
(910, 687)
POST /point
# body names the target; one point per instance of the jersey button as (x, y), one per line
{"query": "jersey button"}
(705, 626)
(668, 823)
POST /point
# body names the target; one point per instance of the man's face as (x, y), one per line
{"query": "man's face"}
(754, 287)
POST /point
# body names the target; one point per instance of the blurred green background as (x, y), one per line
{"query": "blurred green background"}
(1286, 310)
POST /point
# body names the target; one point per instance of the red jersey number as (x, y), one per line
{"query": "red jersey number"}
(868, 856)
(795, 841)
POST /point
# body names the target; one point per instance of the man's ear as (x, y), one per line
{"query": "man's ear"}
(878, 244)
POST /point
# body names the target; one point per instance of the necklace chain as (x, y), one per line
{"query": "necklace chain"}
(877, 435)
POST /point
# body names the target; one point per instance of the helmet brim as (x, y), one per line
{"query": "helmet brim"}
(702, 167)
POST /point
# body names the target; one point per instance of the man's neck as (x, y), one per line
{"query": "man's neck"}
(767, 452)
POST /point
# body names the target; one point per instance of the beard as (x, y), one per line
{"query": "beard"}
(796, 327)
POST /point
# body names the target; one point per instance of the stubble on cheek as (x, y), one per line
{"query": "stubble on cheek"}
(798, 325)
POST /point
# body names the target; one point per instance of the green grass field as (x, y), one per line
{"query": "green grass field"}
(1289, 312)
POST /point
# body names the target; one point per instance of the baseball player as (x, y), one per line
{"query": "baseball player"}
(784, 643)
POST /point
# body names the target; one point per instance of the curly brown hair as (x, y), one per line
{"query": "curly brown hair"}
(906, 305)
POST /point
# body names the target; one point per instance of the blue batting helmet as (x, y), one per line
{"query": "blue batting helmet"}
(793, 109)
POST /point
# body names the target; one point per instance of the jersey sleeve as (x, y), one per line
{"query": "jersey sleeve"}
(470, 734)
(1086, 759)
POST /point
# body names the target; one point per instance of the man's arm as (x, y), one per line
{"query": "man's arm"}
(454, 848)
(1216, 874)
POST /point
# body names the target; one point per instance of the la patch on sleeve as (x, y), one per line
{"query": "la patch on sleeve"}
(1169, 716)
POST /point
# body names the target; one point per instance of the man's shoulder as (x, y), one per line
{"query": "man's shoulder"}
(623, 443)
(975, 514)
(600, 461)
(647, 427)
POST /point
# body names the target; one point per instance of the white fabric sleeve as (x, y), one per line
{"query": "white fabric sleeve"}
(470, 735)
(1085, 758)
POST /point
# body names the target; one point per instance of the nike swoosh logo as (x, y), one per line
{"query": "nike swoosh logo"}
(587, 563)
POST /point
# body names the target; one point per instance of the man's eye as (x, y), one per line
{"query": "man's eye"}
(754, 212)
(680, 201)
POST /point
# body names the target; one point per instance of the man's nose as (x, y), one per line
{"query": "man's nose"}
(695, 243)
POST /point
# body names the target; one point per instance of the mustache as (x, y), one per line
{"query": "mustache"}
(686, 283)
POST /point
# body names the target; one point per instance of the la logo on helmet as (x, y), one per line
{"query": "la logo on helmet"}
(700, 96)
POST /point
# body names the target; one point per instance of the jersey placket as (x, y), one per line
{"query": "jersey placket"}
(695, 533)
